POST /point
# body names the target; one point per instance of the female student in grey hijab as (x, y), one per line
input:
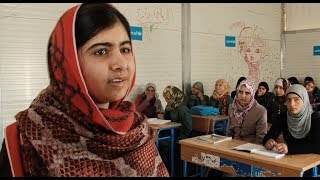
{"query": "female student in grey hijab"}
(300, 126)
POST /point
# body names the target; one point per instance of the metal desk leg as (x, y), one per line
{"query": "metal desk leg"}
(315, 171)
(157, 138)
(224, 127)
(202, 171)
(185, 169)
(172, 152)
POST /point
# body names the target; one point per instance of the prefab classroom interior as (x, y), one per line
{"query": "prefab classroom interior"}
(181, 43)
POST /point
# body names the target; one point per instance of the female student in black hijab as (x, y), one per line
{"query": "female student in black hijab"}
(262, 95)
(293, 80)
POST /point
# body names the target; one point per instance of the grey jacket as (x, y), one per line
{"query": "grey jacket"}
(254, 126)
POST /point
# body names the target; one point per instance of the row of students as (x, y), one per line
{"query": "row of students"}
(298, 125)
(81, 119)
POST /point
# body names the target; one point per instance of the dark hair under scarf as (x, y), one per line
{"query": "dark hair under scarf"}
(293, 80)
(239, 81)
(264, 84)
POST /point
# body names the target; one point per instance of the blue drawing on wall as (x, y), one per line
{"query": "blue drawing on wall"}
(260, 172)
(136, 33)
(230, 41)
(316, 50)
(240, 168)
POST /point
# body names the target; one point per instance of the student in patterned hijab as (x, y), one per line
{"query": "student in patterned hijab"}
(220, 97)
(247, 118)
(300, 126)
(80, 124)
(176, 111)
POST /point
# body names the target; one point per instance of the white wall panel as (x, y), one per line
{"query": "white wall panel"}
(211, 60)
(299, 60)
(302, 16)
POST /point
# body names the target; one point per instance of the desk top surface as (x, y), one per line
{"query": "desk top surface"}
(212, 117)
(300, 162)
(165, 125)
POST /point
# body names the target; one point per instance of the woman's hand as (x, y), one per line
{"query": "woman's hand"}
(200, 95)
(270, 144)
(160, 116)
(149, 96)
(282, 148)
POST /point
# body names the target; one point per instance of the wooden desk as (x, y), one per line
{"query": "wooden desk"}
(220, 156)
(160, 127)
(206, 123)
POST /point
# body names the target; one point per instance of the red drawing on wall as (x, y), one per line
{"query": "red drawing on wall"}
(253, 49)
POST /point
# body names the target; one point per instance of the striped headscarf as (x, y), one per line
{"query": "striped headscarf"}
(174, 94)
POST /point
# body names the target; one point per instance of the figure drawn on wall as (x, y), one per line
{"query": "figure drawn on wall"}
(251, 52)
(150, 17)
(253, 48)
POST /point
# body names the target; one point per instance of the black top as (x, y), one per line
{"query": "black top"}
(276, 107)
(309, 144)
(5, 168)
(265, 99)
(233, 94)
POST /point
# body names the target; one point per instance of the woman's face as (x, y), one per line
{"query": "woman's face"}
(107, 65)
(219, 86)
(294, 103)
(279, 90)
(195, 89)
(261, 90)
(168, 100)
(310, 87)
(244, 95)
(150, 91)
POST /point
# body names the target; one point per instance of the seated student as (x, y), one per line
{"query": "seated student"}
(80, 124)
(300, 126)
(277, 105)
(314, 95)
(196, 96)
(247, 118)
(293, 80)
(262, 95)
(306, 80)
(220, 97)
(176, 111)
(148, 102)
(233, 93)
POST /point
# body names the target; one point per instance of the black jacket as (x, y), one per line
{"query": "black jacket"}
(309, 144)
(5, 169)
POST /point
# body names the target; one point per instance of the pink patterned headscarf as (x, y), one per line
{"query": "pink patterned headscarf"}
(240, 111)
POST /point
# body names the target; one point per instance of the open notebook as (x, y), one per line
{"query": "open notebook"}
(157, 121)
(258, 149)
